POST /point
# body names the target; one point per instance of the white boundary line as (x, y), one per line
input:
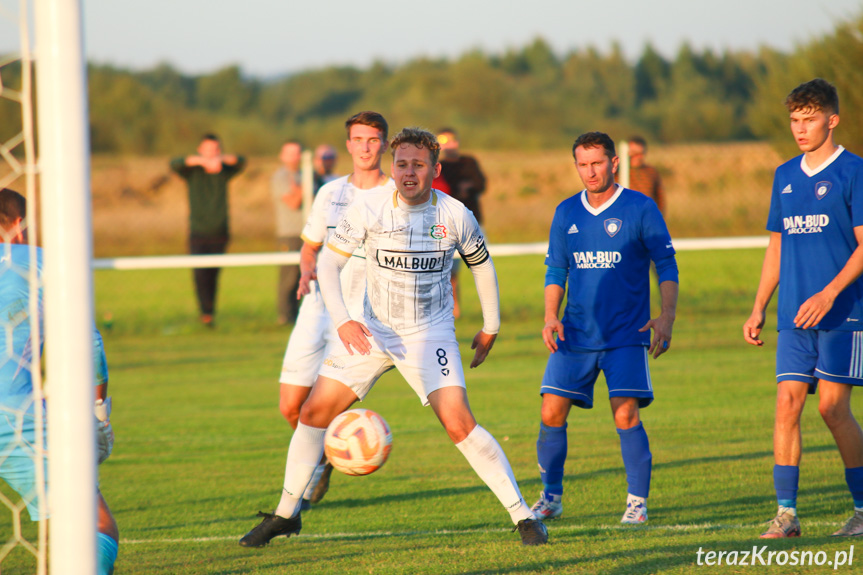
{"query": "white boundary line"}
(754, 527)
(287, 258)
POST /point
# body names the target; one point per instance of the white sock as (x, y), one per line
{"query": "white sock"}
(316, 476)
(486, 457)
(635, 500)
(304, 454)
(783, 509)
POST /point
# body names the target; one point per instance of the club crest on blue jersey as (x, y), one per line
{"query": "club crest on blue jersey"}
(822, 188)
(612, 226)
(438, 231)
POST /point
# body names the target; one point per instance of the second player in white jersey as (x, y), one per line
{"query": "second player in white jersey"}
(413, 249)
(314, 335)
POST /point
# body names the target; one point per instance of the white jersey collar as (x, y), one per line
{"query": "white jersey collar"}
(810, 172)
(398, 203)
(603, 207)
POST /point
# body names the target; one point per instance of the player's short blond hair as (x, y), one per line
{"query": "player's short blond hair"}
(419, 138)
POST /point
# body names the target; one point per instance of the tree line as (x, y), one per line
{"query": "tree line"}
(527, 98)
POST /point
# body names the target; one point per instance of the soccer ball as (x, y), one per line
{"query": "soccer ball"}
(358, 442)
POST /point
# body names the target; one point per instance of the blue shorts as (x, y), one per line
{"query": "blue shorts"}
(573, 374)
(808, 355)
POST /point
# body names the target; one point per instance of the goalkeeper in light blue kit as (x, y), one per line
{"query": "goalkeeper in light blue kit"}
(17, 454)
(815, 256)
(601, 243)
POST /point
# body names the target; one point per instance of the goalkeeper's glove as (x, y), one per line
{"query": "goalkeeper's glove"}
(104, 431)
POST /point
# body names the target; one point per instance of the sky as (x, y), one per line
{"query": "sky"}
(269, 38)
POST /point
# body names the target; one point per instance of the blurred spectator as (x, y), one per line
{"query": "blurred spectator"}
(642, 177)
(324, 163)
(207, 175)
(287, 190)
(461, 178)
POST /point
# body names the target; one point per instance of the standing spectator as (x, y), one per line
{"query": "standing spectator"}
(207, 175)
(324, 163)
(461, 178)
(287, 190)
(642, 177)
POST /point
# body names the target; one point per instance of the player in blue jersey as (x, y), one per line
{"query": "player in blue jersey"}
(815, 255)
(17, 456)
(601, 243)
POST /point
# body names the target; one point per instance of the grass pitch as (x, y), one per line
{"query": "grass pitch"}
(201, 445)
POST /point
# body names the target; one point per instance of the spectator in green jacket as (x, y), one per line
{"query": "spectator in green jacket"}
(207, 175)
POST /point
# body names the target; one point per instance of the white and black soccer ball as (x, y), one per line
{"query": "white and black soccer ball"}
(358, 442)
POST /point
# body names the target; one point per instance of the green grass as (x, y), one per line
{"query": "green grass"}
(201, 445)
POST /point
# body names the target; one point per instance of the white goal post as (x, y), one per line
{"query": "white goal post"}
(64, 164)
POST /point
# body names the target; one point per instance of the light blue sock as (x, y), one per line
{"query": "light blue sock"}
(108, 548)
(785, 481)
(637, 459)
(551, 449)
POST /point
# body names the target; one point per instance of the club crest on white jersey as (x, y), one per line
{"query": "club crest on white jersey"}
(438, 231)
(612, 226)
(822, 189)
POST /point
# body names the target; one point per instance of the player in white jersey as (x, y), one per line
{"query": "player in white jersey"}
(410, 237)
(313, 331)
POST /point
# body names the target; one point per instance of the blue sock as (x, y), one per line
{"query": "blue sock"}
(637, 459)
(107, 553)
(551, 454)
(785, 480)
(854, 479)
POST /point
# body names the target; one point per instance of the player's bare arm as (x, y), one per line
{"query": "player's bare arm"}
(553, 298)
(664, 323)
(766, 286)
(482, 343)
(816, 307)
(308, 266)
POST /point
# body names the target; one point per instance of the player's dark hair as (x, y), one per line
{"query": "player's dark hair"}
(817, 94)
(12, 206)
(419, 138)
(368, 118)
(210, 136)
(638, 140)
(595, 140)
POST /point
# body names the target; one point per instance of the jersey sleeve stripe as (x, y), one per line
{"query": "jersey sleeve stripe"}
(477, 257)
(338, 251)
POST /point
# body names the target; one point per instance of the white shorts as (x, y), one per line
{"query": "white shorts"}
(307, 346)
(428, 360)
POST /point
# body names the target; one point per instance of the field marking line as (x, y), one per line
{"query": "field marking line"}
(554, 528)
